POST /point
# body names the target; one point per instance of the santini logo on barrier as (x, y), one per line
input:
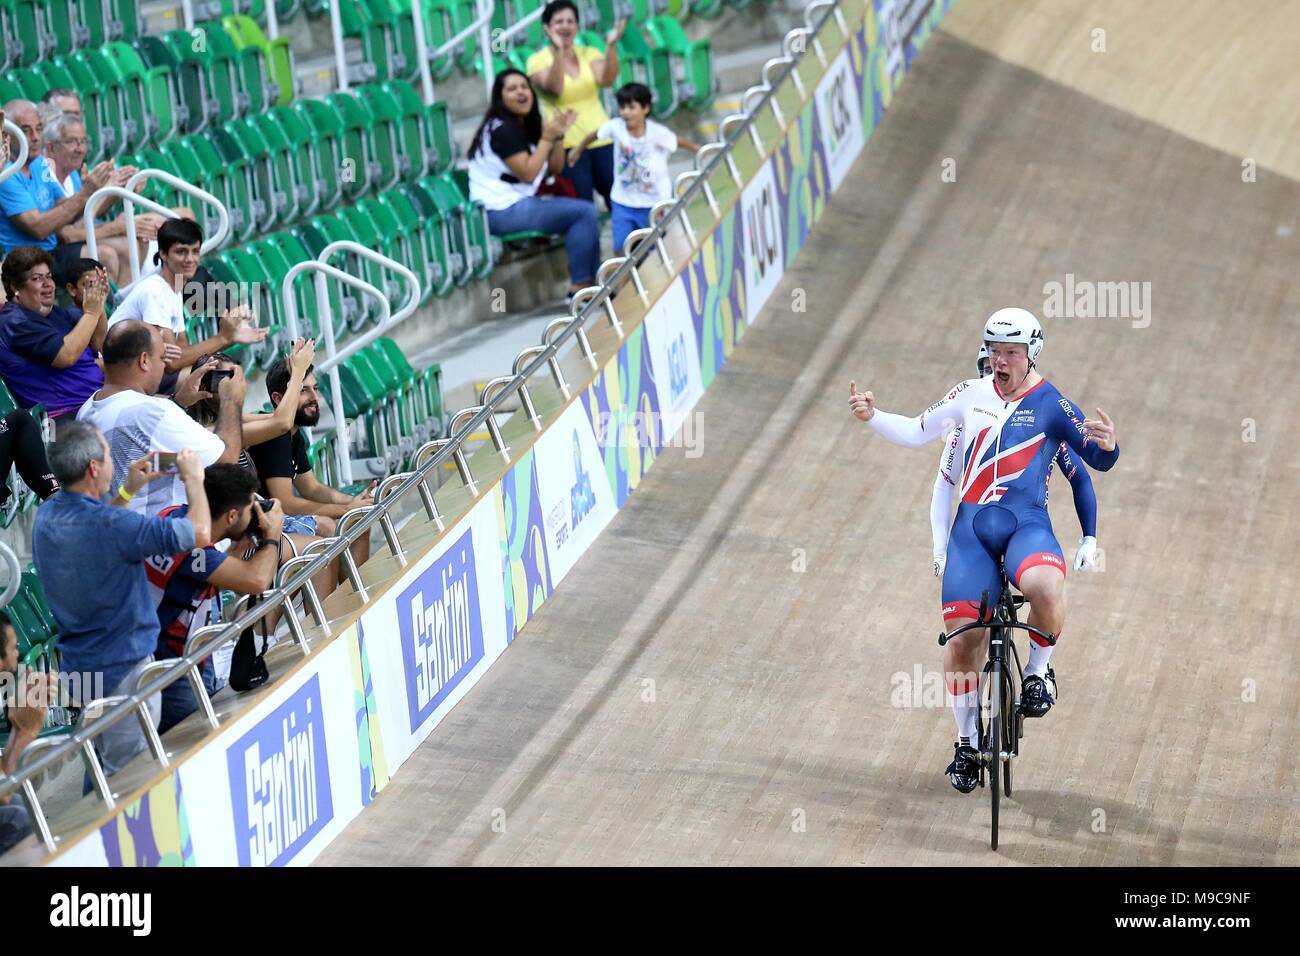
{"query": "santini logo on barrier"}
(280, 781)
(441, 631)
(679, 376)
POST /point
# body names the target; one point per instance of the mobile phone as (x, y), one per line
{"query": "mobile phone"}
(212, 380)
(164, 462)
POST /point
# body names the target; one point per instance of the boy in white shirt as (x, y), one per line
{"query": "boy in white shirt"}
(641, 151)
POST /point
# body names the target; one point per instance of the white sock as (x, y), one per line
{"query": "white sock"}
(964, 710)
(1038, 658)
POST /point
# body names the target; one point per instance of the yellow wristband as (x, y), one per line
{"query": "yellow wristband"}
(124, 494)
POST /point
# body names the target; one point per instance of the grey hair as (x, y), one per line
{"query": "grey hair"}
(56, 125)
(75, 446)
(19, 104)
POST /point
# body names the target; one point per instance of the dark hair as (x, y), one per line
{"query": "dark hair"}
(174, 231)
(126, 342)
(20, 261)
(74, 272)
(555, 6)
(497, 109)
(205, 410)
(634, 93)
(6, 625)
(278, 375)
(228, 486)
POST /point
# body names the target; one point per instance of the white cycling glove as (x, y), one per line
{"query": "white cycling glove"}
(1085, 559)
(940, 562)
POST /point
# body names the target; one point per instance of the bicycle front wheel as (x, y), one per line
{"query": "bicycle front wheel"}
(997, 693)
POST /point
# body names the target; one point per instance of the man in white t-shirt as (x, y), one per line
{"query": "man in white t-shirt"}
(136, 422)
(641, 151)
(157, 299)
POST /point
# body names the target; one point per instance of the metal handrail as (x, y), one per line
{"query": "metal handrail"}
(361, 521)
(8, 558)
(333, 356)
(131, 198)
(21, 162)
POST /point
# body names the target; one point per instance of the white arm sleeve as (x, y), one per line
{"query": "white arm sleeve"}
(941, 514)
(941, 417)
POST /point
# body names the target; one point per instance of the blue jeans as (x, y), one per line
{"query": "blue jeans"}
(178, 699)
(573, 219)
(593, 173)
(624, 220)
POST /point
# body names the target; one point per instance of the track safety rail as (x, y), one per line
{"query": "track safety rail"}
(14, 165)
(428, 459)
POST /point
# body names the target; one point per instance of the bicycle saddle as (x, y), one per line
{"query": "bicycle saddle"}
(994, 525)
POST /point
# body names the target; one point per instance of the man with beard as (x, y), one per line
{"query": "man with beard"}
(185, 585)
(284, 466)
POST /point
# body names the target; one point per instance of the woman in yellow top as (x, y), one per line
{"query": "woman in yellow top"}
(570, 77)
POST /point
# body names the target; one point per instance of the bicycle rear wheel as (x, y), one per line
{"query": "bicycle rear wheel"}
(994, 744)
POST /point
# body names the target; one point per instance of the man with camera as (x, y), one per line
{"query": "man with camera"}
(137, 423)
(243, 557)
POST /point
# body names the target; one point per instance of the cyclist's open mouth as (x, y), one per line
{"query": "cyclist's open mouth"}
(1002, 378)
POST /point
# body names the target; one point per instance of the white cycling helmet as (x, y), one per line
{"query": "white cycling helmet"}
(982, 361)
(1017, 326)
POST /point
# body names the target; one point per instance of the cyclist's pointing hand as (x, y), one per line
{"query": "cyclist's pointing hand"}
(1101, 430)
(863, 404)
(1085, 559)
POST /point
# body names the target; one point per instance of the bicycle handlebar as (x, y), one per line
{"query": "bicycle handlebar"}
(1049, 638)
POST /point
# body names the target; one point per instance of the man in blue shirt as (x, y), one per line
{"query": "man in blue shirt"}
(90, 557)
(32, 203)
(185, 586)
(47, 352)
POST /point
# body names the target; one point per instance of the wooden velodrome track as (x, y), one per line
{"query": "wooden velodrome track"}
(688, 697)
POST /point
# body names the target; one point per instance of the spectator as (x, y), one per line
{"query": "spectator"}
(185, 585)
(137, 423)
(47, 352)
(90, 557)
(259, 427)
(31, 212)
(64, 100)
(21, 444)
(283, 464)
(157, 299)
(26, 715)
(65, 153)
(572, 76)
(506, 167)
(641, 150)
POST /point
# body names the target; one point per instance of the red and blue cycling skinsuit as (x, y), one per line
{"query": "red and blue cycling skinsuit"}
(1007, 454)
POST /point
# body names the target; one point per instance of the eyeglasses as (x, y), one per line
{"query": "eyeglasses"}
(40, 278)
(73, 143)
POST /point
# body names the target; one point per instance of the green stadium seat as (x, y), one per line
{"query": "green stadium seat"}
(235, 174)
(435, 236)
(363, 229)
(289, 251)
(414, 248)
(234, 74)
(123, 19)
(379, 117)
(642, 63)
(358, 309)
(454, 192)
(439, 26)
(146, 94)
(275, 59)
(359, 170)
(395, 136)
(692, 61)
(89, 22)
(27, 36)
(96, 81)
(325, 127)
(387, 38)
(192, 102)
(306, 186)
(268, 198)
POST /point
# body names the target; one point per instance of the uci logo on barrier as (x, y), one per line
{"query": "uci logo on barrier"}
(280, 781)
(440, 629)
(679, 376)
(837, 110)
(763, 228)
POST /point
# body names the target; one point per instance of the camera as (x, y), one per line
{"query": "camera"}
(211, 380)
(260, 507)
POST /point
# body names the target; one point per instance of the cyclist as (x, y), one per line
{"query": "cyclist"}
(1085, 497)
(1013, 423)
